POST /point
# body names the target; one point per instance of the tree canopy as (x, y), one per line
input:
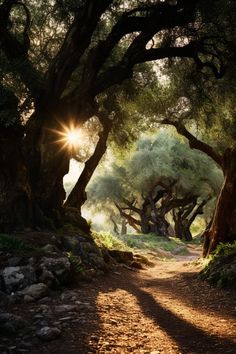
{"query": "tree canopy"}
(160, 176)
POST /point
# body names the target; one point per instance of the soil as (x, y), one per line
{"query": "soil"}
(163, 309)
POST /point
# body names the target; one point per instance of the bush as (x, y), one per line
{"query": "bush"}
(107, 240)
(11, 243)
(221, 269)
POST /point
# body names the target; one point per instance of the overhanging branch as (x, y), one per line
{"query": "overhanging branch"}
(195, 143)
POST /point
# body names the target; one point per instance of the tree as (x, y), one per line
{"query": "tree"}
(161, 176)
(203, 111)
(60, 75)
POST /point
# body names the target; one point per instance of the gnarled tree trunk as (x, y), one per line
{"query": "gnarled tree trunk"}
(15, 192)
(223, 227)
(78, 195)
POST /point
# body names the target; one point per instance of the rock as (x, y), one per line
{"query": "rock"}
(28, 298)
(48, 248)
(45, 309)
(14, 261)
(97, 261)
(121, 256)
(181, 250)
(10, 323)
(54, 271)
(17, 278)
(48, 333)
(65, 308)
(35, 291)
(136, 265)
(65, 319)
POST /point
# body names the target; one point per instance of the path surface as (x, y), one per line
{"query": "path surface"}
(164, 309)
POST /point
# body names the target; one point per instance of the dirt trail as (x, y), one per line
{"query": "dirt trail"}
(164, 309)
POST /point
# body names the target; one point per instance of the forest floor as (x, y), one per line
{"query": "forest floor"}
(162, 309)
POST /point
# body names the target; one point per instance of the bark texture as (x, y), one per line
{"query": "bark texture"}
(223, 227)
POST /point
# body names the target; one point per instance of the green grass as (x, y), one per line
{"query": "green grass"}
(151, 242)
(138, 242)
(12, 243)
(107, 240)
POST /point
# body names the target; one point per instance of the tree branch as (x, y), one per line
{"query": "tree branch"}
(195, 143)
(76, 42)
(78, 195)
(17, 51)
(131, 220)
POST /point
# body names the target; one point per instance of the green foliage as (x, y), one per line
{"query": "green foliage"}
(221, 269)
(161, 157)
(225, 249)
(75, 262)
(151, 242)
(107, 240)
(12, 243)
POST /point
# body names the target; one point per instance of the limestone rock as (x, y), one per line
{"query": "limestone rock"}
(17, 278)
(54, 270)
(48, 333)
(35, 291)
(65, 308)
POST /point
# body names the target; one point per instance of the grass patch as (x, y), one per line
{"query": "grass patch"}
(107, 240)
(12, 243)
(151, 242)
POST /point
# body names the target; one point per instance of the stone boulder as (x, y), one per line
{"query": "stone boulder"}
(34, 292)
(48, 333)
(17, 278)
(53, 271)
(121, 256)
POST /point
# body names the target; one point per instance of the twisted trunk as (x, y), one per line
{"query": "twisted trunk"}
(223, 227)
(15, 192)
(78, 195)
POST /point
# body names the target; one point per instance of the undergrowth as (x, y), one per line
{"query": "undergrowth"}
(138, 242)
(12, 243)
(75, 262)
(221, 268)
(107, 240)
(151, 241)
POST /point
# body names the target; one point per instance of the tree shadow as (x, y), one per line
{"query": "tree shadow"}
(189, 338)
(83, 337)
(199, 293)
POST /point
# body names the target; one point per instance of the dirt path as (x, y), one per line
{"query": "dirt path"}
(164, 309)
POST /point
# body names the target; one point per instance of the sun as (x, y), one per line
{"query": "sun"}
(70, 136)
(73, 137)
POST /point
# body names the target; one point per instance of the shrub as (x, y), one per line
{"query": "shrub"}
(107, 240)
(221, 269)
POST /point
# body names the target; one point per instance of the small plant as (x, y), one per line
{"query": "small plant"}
(225, 249)
(75, 262)
(221, 269)
(10, 243)
(107, 240)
